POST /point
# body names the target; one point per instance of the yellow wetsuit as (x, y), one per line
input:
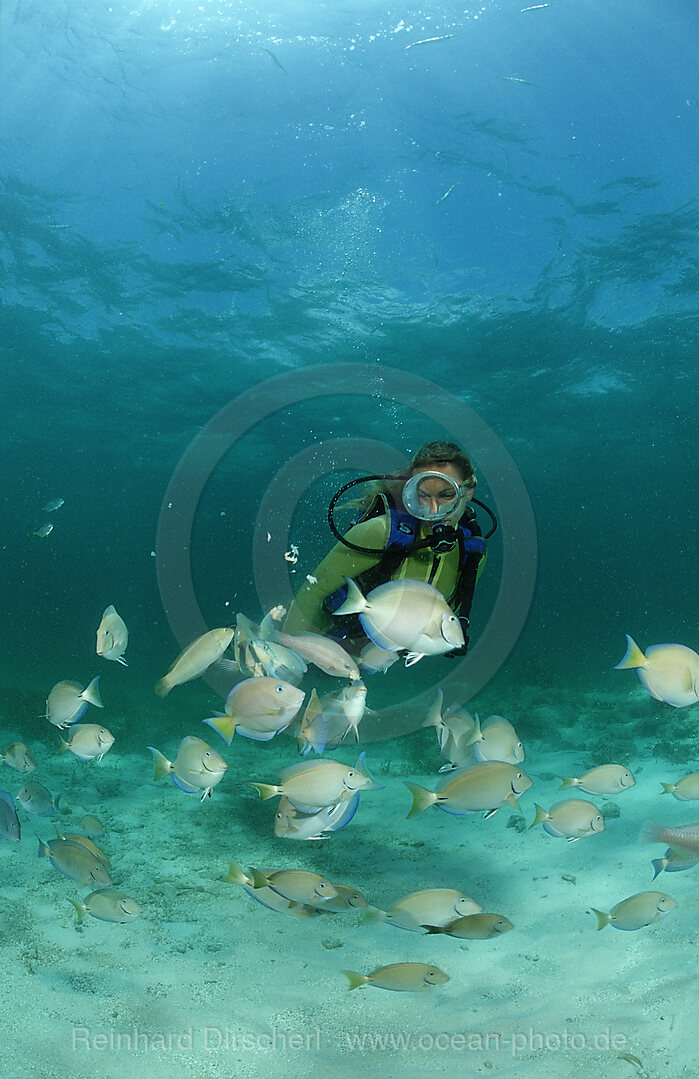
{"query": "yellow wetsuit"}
(306, 612)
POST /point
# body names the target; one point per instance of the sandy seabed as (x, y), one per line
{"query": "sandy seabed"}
(209, 983)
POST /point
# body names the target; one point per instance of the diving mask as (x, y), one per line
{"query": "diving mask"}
(432, 496)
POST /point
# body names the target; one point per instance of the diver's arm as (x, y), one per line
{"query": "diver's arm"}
(306, 612)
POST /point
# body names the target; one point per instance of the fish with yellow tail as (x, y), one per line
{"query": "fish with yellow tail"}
(196, 768)
(112, 636)
(196, 658)
(67, 702)
(291, 823)
(18, 757)
(484, 788)
(685, 790)
(673, 861)
(571, 819)
(400, 977)
(644, 908)
(107, 905)
(438, 906)
(482, 926)
(257, 708)
(669, 672)
(88, 741)
(317, 784)
(405, 615)
(75, 861)
(605, 779)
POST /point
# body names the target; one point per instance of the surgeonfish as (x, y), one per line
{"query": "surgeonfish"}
(42, 531)
(291, 823)
(88, 741)
(495, 740)
(346, 899)
(405, 615)
(316, 784)
(196, 658)
(324, 653)
(373, 659)
(267, 896)
(107, 905)
(67, 702)
(17, 757)
(571, 819)
(638, 910)
(480, 926)
(296, 885)
(197, 767)
(92, 826)
(75, 861)
(112, 636)
(684, 838)
(485, 788)
(53, 504)
(605, 779)
(438, 906)
(87, 843)
(400, 977)
(257, 656)
(454, 727)
(36, 799)
(9, 821)
(343, 711)
(674, 861)
(257, 708)
(685, 790)
(669, 672)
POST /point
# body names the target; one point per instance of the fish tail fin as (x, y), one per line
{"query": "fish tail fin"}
(120, 659)
(161, 765)
(422, 798)
(64, 746)
(224, 724)
(355, 602)
(668, 788)
(80, 909)
(633, 657)
(162, 687)
(476, 734)
(43, 849)
(653, 833)
(259, 879)
(91, 693)
(434, 716)
(602, 918)
(539, 816)
(355, 979)
(373, 915)
(435, 928)
(567, 782)
(658, 865)
(266, 790)
(235, 874)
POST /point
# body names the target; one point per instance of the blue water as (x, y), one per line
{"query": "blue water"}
(198, 199)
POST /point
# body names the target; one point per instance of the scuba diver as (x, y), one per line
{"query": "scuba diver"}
(417, 524)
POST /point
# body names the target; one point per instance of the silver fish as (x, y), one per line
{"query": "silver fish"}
(605, 779)
(669, 672)
(42, 531)
(644, 908)
(481, 926)
(291, 823)
(571, 819)
(314, 785)
(405, 615)
(400, 977)
(324, 653)
(107, 905)
(68, 701)
(88, 741)
(258, 708)
(75, 861)
(112, 636)
(9, 821)
(436, 906)
(17, 757)
(39, 801)
(52, 505)
(487, 786)
(197, 767)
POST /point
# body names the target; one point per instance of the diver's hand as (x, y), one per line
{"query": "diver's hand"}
(458, 651)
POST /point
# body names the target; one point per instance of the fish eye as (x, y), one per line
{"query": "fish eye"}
(280, 689)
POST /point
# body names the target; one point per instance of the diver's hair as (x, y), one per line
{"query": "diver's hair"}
(430, 455)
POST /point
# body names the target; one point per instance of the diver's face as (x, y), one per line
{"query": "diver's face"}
(434, 493)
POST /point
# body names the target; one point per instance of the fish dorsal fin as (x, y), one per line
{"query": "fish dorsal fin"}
(305, 766)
